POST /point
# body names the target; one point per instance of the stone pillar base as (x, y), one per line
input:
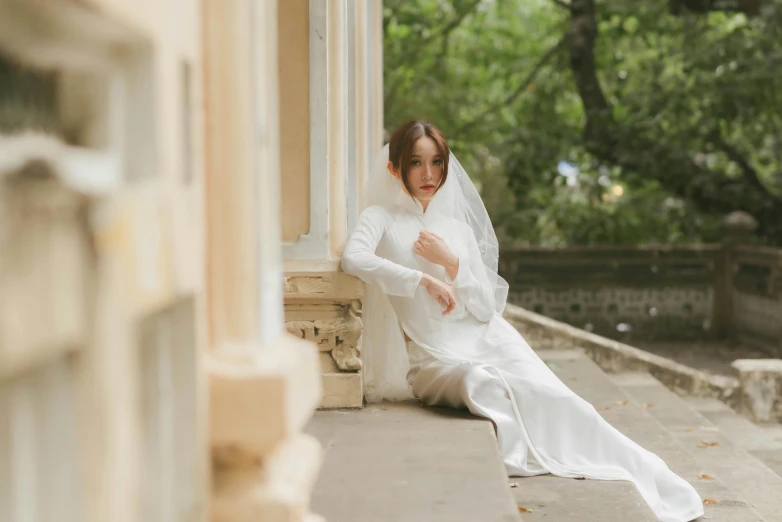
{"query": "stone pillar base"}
(264, 467)
(276, 491)
(760, 383)
(323, 305)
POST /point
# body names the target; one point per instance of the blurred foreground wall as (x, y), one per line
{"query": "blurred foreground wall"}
(163, 165)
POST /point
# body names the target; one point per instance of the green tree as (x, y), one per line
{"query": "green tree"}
(674, 104)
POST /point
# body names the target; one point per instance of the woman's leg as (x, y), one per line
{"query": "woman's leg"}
(471, 386)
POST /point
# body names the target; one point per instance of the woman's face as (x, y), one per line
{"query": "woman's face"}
(426, 170)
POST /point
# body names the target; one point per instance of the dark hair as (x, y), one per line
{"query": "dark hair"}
(400, 149)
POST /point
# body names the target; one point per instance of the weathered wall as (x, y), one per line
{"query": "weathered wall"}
(293, 50)
(655, 293)
(647, 293)
(757, 298)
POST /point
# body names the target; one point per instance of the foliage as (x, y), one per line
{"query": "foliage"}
(680, 111)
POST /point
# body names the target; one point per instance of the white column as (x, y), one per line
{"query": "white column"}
(315, 244)
(267, 167)
(231, 198)
(352, 163)
(338, 124)
(361, 48)
(375, 75)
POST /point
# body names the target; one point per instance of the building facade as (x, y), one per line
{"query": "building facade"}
(177, 180)
(331, 129)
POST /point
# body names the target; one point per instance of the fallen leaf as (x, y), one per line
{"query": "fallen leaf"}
(689, 430)
(648, 405)
(621, 403)
(710, 501)
(604, 408)
(705, 476)
(514, 484)
(707, 444)
(524, 510)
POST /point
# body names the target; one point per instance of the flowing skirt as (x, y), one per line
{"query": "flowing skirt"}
(543, 427)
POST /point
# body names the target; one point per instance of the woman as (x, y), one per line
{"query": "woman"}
(428, 253)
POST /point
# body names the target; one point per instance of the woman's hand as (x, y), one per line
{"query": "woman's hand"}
(442, 292)
(432, 247)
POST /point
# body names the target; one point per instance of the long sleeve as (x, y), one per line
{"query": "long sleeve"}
(472, 285)
(359, 258)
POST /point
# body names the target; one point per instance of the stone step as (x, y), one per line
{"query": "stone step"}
(763, 442)
(398, 461)
(741, 472)
(634, 420)
(549, 498)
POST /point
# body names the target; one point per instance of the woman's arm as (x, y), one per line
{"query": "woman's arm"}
(359, 258)
(466, 274)
(471, 283)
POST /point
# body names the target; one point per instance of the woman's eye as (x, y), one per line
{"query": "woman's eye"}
(438, 162)
(416, 163)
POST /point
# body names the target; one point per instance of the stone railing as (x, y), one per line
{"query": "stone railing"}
(755, 391)
(730, 291)
(658, 293)
(757, 298)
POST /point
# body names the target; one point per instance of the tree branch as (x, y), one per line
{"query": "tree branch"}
(456, 22)
(630, 148)
(448, 29)
(414, 51)
(518, 91)
(747, 170)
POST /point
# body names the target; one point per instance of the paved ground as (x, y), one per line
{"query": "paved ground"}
(709, 356)
(548, 498)
(405, 463)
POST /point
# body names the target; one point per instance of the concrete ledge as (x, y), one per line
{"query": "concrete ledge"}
(308, 281)
(612, 356)
(342, 390)
(260, 396)
(761, 389)
(399, 462)
(279, 491)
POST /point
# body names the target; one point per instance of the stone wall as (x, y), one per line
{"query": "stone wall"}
(757, 298)
(729, 291)
(102, 287)
(650, 293)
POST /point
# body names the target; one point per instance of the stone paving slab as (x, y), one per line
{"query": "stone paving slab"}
(396, 462)
(548, 498)
(634, 420)
(762, 442)
(752, 481)
(402, 462)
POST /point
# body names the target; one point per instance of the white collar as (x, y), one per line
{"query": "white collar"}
(409, 203)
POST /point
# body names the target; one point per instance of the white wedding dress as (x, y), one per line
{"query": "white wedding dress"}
(473, 358)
